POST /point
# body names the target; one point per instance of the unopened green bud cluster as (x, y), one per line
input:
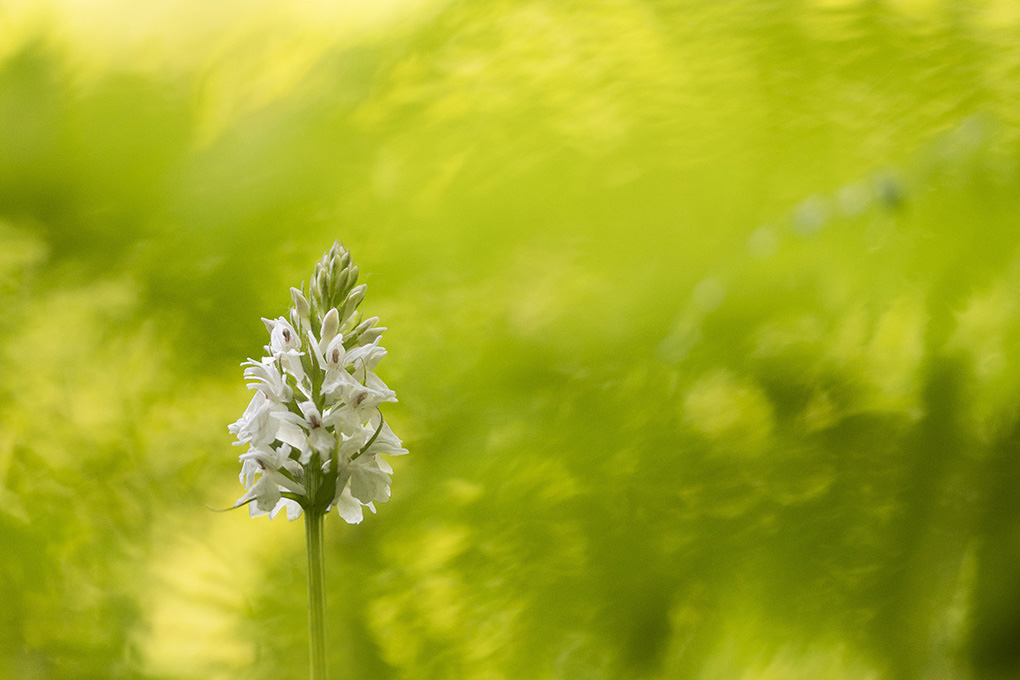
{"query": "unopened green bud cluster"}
(334, 285)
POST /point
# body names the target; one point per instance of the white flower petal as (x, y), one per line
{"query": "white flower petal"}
(293, 509)
(256, 427)
(266, 377)
(257, 400)
(369, 484)
(387, 443)
(291, 434)
(322, 441)
(265, 493)
(248, 470)
(342, 418)
(336, 381)
(349, 509)
(287, 483)
(291, 362)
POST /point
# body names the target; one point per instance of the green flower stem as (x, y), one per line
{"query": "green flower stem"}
(316, 593)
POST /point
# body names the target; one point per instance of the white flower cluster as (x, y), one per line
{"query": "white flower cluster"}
(314, 431)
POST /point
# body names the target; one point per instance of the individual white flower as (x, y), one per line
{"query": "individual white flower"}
(364, 358)
(258, 425)
(318, 436)
(282, 336)
(349, 377)
(334, 365)
(366, 399)
(266, 378)
(368, 480)
(344, 420)
(285, 346)
(363, 473)
(276, 471)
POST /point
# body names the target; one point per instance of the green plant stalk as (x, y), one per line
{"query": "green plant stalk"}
(316, 589)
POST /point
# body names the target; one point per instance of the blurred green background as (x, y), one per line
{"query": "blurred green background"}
(704, 319)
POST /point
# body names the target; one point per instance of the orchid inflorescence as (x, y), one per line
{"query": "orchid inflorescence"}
(313, 428)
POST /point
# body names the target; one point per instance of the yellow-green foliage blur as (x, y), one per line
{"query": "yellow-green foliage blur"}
(704, 318)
